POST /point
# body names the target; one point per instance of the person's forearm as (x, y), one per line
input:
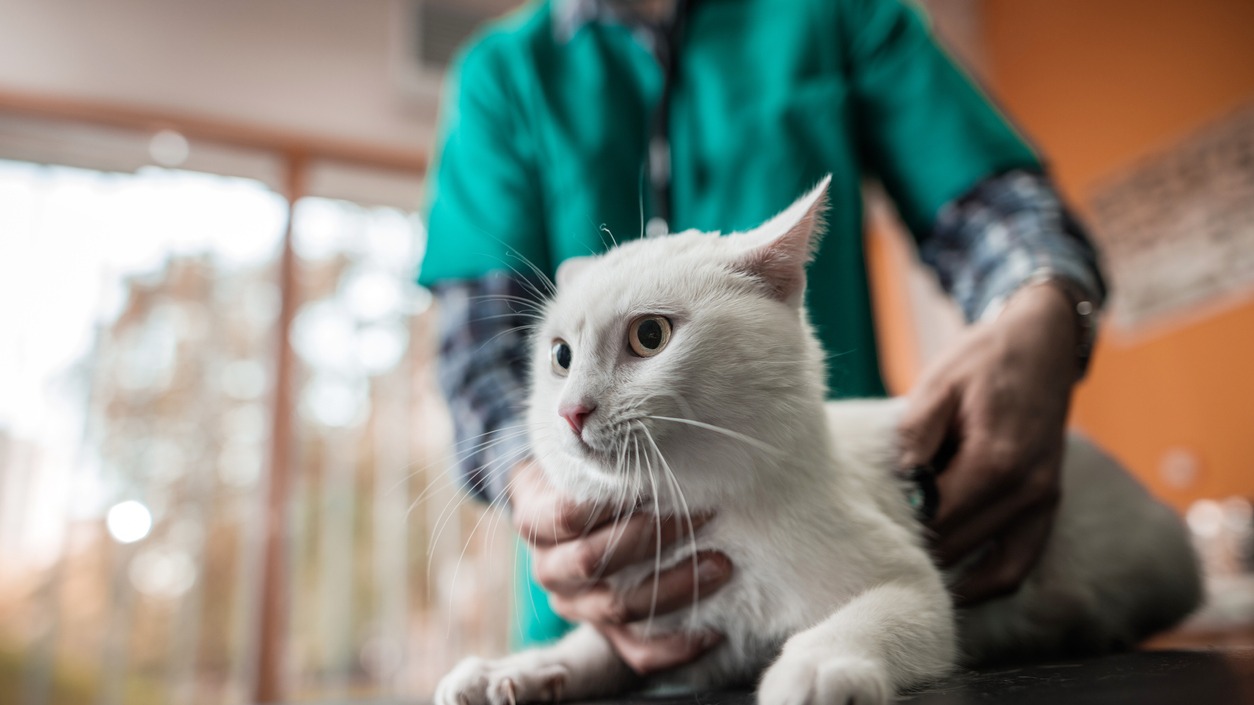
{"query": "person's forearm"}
(1010, 230)
(483, 354)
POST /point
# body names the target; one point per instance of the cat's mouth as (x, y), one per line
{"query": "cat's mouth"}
(589, 448)
(584, 448)
(602, 458)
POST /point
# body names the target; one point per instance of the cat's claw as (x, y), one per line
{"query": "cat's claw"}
(514, 686)
(810, 680)
(506, 687)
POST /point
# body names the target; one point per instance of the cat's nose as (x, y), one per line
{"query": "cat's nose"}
(576, 414)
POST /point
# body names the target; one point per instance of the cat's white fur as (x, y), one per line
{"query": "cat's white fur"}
(834, 598)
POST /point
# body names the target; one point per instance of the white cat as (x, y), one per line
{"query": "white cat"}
(695, 382)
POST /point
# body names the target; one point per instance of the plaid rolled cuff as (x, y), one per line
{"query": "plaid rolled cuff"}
(1011, 229)
(484, 331)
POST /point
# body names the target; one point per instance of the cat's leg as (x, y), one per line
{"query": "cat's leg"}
(891, 637)
(580, 666)
(1119, 566)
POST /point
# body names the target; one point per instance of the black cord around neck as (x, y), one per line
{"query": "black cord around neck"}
(658, 154)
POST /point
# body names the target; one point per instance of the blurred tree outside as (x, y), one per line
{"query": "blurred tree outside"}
(164, 410)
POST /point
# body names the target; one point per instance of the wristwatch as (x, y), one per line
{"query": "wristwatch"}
(1084, 310)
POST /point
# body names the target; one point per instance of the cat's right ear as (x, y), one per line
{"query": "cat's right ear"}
(780, 249)
(569, 270)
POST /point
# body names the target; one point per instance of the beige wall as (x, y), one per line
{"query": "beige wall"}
(319, 67)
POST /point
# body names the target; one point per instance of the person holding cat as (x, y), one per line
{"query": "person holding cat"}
(572, 122)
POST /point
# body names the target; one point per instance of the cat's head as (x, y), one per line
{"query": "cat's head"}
(683, 359)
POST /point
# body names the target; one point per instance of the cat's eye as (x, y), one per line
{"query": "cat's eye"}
(559, 356)
(648, 335)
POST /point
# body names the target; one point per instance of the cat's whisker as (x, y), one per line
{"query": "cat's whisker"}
(781, 363)
(498, 465)
(454, 501)
(434, 541)
(449, 512)
(442, 483)
(495, 437)
(452, 506)
(512, 314)
(687, 516)
(539, 275)
(525, 329)
(516, 577)
(657, 551)
(606, 229)
(520, 277)
(531, 538)
(640, 197)
(616, 524)
(446, 479)
(462, 451)
(593, 509)
(504, 498)
(529, 303)
(489, 511)
(686, 410)
(749, 440)
(525, 281)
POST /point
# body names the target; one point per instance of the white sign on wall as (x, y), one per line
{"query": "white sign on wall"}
(1177, 229)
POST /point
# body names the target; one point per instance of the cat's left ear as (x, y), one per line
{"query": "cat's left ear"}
(780, 249)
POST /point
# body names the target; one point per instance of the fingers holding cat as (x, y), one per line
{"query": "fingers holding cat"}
(618, 615)
(583, 561)
(575, 548)
(1009, 560)
(544, 517)
(673, 589)
(1005, 522)
(1001, 394)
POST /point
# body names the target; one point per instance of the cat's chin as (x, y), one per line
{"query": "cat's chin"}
(598, 463)
(589, 480)
(583, 470)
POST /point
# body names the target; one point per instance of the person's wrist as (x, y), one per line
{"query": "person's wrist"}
(1066, 312)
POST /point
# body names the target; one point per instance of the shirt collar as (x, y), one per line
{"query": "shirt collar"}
(569, 16)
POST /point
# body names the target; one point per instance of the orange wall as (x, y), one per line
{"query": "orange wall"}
(1097, 84)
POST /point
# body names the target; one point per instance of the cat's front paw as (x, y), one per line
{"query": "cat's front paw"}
(806, 679)
(536, 685)
(476, 681)
(466, 684)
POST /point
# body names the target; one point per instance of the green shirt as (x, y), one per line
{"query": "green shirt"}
(543, 141)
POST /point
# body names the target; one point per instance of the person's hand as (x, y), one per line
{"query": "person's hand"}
(1000, 398)
(576, 547)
